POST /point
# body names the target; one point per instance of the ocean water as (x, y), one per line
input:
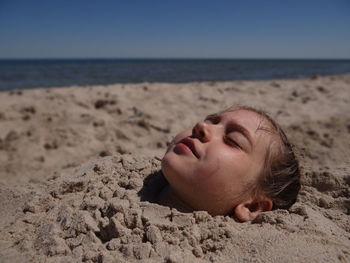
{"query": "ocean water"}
(25, 74)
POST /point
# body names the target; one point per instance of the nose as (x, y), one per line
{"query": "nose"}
(202, 131)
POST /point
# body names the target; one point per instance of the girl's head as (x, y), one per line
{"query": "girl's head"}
(236, 162)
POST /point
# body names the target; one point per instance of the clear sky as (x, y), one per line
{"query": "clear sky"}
(175, 29)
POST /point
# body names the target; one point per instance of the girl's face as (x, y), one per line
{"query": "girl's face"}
(213, 166)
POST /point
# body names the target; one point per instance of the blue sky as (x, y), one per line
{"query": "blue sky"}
(175, 29)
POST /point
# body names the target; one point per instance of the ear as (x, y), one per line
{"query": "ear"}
(249, 209)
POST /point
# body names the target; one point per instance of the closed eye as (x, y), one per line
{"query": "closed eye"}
(231, 142)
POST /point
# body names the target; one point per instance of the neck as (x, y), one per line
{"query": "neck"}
(168, 197)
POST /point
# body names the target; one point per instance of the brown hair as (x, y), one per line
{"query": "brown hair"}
(280, 176)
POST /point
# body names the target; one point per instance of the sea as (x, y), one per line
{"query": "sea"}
(18, 74)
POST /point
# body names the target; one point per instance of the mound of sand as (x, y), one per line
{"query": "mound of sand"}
(80, 172)
(97, 215)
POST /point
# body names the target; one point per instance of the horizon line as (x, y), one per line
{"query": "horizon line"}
(171, 58)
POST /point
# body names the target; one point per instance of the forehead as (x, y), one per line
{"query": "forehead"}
(251, 120)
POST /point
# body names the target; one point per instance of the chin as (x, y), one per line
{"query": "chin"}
(168, 168)
(170, 163)
(165, 165)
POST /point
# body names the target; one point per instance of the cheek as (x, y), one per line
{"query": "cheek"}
(224, 170)
(218, 160)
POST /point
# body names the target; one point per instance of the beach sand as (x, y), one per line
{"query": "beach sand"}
(79, 169)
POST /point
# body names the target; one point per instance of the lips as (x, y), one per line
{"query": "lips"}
(191, 145)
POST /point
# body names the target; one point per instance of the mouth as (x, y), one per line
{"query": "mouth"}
(190, 145)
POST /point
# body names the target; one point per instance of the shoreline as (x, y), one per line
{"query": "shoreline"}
(208, 82)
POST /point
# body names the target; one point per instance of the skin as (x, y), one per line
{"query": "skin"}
(213, 166)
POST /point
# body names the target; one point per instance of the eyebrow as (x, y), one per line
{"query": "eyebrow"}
(214, 115)
(238, 127)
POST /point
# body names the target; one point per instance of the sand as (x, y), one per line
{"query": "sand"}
(79, 170)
